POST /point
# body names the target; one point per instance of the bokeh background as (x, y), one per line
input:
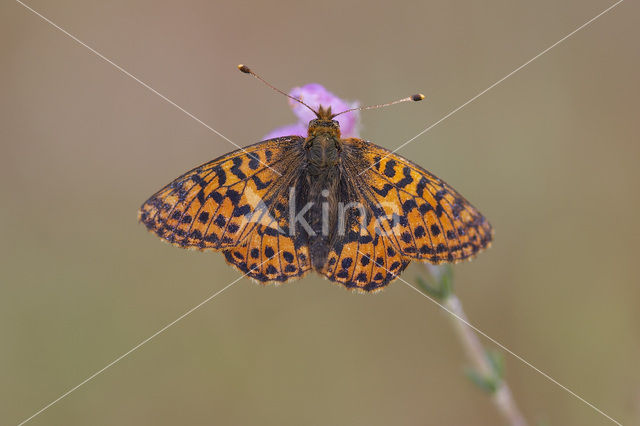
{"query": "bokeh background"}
(550, 156)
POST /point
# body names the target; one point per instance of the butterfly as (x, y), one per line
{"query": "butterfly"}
(345, 208)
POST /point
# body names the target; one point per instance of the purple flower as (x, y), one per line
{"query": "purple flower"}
(315, 95)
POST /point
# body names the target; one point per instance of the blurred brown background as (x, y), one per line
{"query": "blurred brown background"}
(550, 156)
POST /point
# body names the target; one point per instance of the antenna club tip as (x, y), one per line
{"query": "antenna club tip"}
(417, 97)
(245, 69)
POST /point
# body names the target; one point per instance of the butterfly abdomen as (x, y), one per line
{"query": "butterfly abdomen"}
(322, 212)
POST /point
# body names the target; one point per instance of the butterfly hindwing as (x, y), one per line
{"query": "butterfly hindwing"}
(270, 253)
(218, 204)
(364, 260)
(360, 257)
(421, 214)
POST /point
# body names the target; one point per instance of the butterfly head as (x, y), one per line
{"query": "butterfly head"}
(324, 124)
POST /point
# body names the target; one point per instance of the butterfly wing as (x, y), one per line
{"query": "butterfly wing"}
(358, 257)
(271, 253)
(424, 217)
(218, 204)
(362, 259)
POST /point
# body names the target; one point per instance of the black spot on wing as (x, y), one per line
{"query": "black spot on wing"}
(260, 185)
(389, 169)
(203, 217)
(235, 169)
(254, 161)
(384, 190)
(407, 179)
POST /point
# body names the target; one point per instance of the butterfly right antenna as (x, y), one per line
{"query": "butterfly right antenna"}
(415, 98)
(245, 69)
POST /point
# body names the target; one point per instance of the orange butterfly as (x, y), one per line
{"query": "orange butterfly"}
(345, 208)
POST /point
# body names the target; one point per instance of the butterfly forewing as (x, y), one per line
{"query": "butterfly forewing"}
(421, 214)
(219, 204)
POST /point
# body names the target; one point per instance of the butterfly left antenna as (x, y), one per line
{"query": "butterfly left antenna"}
(245, 69)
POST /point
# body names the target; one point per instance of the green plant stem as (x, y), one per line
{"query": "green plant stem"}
(502, 397)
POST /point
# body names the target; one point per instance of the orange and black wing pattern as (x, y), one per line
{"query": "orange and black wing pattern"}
(363, 259)
(359, 256)
(236, 203)
(385, 211)
(270, 253)
(215, 205)
(425, 217)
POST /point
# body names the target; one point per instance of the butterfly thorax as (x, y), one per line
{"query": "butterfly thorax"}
(323, 146)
